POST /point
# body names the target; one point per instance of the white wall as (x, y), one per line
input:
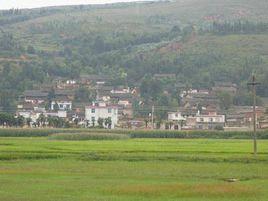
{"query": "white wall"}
(63, 105)
(101, 112)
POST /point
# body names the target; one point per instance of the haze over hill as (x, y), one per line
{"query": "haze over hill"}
(201, 42)
(37, 4)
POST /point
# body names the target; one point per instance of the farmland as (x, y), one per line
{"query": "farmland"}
(45, 168)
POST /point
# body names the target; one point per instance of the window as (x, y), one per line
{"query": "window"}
(211, 119)
(109, 110)
(92, 110)
(61, 106)
(201, 119)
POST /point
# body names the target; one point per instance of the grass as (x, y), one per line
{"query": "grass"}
(132, 169)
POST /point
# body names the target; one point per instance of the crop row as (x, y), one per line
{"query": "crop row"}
(81, 133)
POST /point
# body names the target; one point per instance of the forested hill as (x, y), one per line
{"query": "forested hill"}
(201, 41)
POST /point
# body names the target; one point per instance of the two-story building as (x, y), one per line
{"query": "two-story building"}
(210, 121)
(104, 111)
(175, 120)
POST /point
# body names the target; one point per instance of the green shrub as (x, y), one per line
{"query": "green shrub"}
(88, 136)
(19, 132)
(44, 132)
(198, 134)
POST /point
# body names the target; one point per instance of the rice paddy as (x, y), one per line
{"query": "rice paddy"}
(47, 169)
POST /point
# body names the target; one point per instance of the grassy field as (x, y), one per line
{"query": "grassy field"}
(41, 168)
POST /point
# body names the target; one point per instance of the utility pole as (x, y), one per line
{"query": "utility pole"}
(253, 83)
(153, 117)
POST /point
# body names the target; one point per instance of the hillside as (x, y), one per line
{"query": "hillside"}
(201, 41)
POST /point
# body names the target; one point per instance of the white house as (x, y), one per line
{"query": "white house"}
(101, 110)
(209, 121)
(62, 105)
(33, 115)
(60, 114)
(177, 120)
(175, 116)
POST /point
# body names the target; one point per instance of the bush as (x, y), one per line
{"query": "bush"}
(198, 134)
(88, 136)
(17, 132)
(44, 132)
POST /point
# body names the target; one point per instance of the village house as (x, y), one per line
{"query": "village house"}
(101, 110)
(135, 124)
(63, 83)
(263, 124)
(60, 114)
(61, 105)
(175, 120)
(190, 123)
(64, 94)
(197, 100)
(34, 96)
(210, 121)
(93, 79)
(242, 116)
(125, 109)
(192, 92)
(34, 115)
(235, 120)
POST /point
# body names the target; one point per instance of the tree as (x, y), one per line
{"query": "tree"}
(93, 122)
(146, 123)
(226, 100)
(7, 119)
(84, 95)
(56, 107)
(108, 122)
(30, 49)
(51, 96)
(20, 121)
(100, 122)
(76, 121)
(28, 121)
(57, 122)
(41, 120)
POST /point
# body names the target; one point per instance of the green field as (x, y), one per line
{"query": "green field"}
(132, 169)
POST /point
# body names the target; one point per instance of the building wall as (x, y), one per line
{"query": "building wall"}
(63, 105)
(175, 116)
(94, 113)
(208, 122)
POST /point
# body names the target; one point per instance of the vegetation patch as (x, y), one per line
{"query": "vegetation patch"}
(88, 136)
(170, 156)
(185, 190)
(28, 156)
(197, 134)
(118, 134)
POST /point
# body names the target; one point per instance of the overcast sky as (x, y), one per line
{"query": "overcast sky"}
(7, 4)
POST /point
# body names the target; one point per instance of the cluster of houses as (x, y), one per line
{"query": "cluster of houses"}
(113, 107)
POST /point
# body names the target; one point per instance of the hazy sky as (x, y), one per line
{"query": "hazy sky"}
(7, 4)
